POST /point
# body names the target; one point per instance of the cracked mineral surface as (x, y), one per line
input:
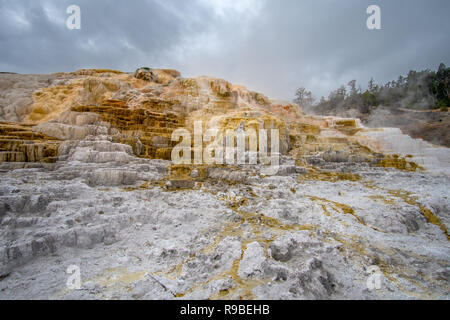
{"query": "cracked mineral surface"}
(86, 180)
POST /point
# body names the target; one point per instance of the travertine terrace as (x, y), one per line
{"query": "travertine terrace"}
(87, 180)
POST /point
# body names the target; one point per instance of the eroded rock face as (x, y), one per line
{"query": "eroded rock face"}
(147, 131)
(143, 109)
(18, 143)
(85, 180)
(145, 74)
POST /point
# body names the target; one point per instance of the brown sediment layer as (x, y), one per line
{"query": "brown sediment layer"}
(147, 130)
(331, 176)
(18, 143)
(340, 207)
(400, 163)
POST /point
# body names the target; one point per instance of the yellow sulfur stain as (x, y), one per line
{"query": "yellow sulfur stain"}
(265, 230)
(397, 162)
(385, 200)
(175, 272)
(330, 176)
(325, 210)
(345, 209)
(412, 200)
(120, 275)
(143, 186)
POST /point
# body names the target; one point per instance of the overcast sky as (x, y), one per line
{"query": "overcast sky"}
(270, 46)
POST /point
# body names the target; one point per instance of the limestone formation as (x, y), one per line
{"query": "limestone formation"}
(86, 179)
(18, 143)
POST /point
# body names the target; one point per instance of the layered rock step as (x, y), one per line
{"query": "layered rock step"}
(331, 140)
(393, 141)
(18, 143)
(147, 130)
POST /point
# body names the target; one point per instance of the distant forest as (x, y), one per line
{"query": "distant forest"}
(419, 90)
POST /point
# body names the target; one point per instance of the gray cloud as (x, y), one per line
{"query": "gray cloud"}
(269, 46)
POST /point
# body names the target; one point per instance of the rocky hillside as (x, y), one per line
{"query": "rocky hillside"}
(87, 180)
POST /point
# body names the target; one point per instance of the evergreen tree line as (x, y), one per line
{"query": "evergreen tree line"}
(419, 90)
